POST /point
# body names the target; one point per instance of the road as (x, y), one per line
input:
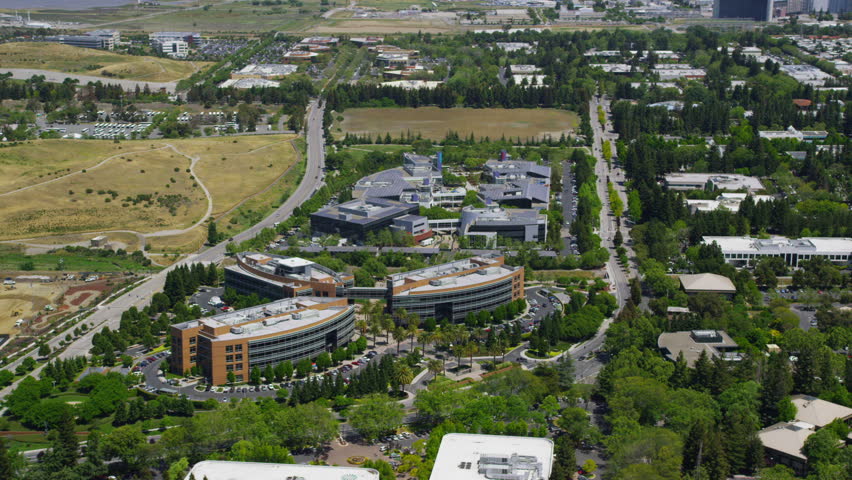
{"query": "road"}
(110, 315)
(59, 77)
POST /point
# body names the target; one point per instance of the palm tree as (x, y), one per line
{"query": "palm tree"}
(424, 338)
(375, 331)
(402, 375)
(387, 325)
(399, 334)
(435, 367)
(469, 349)
(362, 326)
(411, 330)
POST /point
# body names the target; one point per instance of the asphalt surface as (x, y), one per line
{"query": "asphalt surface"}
(110, 315)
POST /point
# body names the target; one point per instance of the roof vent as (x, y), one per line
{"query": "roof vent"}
(237, 330)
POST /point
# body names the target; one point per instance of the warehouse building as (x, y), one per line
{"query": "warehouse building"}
(276, 277)
(466, 456)
(746, 251)
(355, 218)
(235, 342)
(452, 290)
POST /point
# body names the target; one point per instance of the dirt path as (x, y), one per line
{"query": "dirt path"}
(193, 162)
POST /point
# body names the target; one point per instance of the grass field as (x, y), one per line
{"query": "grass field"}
(434, 123)
(96, 198)
(65, 58)
(42, 160)
(183, 243)
(232, 167)
(126, 241)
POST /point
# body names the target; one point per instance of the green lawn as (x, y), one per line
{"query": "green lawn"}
(12, 258)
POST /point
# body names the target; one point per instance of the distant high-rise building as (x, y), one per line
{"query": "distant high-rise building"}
(758, 10)
(839, 6)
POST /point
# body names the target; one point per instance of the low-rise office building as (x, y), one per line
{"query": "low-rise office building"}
(746, 251)
(783, 442)
(521, 193)
(715, 343)
(276, 277)
(524, 225)
(82, 41)
(235, 342)
(452, 290)
(223, 470)
(504, 169)
(465, 456)
(717, 181)
(415, 225)
(726, 201)
(355, 218)
(418, 181)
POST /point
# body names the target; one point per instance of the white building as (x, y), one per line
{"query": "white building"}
(220, 470)
(464, 456)
(725, 201)
(745, 251)
(173, 48)
(792, 133)
(516, 47)
(719, 181)
(412, 84)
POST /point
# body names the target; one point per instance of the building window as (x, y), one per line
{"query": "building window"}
(191, 349)
(239, 348)
(239, 357)
(240, 379)
(229, 368)
(193, 359)
(229, 358)
(229, 349)
(238, 366)
(193, 340)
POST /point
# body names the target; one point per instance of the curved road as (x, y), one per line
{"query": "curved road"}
(110, 315)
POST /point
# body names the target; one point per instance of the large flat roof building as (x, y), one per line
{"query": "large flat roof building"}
(235, 342)
(726, 201)
(222, 470)
(355, 218)
(465, 456)
(691, 343)
(745, 251)
(719, 181)
(452, 290)
(524, 225)
(275, 277)
(758, 10)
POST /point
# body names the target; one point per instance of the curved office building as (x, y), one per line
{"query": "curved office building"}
(452, 290)
(291, 329)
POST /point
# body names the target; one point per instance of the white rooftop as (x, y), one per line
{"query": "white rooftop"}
(781, 245)
(788, 438)
(721, 181)
(464, 456)
(294, 262)
(220, 470)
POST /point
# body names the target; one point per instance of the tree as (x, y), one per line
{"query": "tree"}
(323, 361)
(402, 375)
(268, 373)
(589, 466)
(435, 366)
(43, 350)
(259, 451)
(254, 376)
(231, 377)
(376, 415)
(287, 369)
(177, 470)
(212, 234)
(305, 425)
(128, 444)
(304, 367)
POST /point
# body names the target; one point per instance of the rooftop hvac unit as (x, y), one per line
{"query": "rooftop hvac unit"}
(237, 330)
(297, 316)
(436, 282)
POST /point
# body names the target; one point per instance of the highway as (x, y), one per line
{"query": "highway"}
(110, 315)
